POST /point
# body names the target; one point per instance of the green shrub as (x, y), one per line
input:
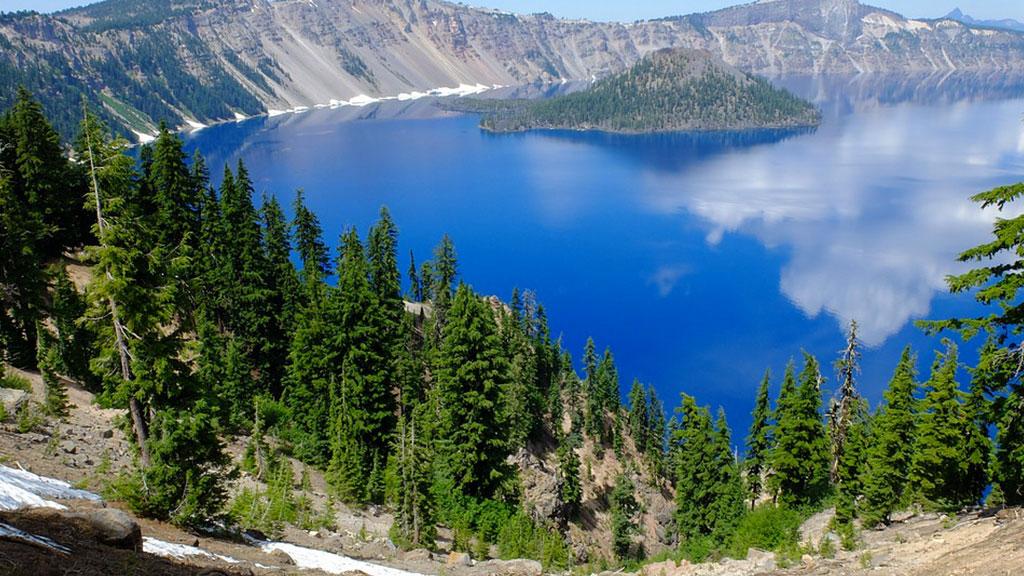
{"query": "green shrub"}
(15, 382)
(827, 548)
(29, 419)
(270, 509)
(767, 527)
(520, 537)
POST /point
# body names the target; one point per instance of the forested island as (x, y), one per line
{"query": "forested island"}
(675, 89)
(418, 395)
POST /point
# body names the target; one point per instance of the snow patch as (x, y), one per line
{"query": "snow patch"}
(22, 489)
(271, 113)
(179, 551)
(239, 117)
(195, 125)
(460, 90)
(363, 100)
(331, 563)
(10, 532)
(143, 137)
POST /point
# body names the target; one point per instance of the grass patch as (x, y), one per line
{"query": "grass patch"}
(14, 381)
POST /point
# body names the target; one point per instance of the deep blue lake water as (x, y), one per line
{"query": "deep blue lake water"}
(700, 259)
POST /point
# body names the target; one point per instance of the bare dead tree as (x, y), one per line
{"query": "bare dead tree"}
(140, 425)
(843, 406)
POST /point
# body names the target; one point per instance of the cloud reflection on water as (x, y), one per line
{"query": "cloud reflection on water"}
(872, 208)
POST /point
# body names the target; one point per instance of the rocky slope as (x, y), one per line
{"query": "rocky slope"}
(203, 60)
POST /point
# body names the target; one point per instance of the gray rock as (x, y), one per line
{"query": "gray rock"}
(458, 559)
(109, 526)
(761, 560)
(108, 434)
(508, 568)
(281, 558)
(12, 400)
(68, 447)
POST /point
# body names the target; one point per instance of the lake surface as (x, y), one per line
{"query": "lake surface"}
(701, 259)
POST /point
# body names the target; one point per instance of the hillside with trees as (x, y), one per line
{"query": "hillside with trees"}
(454, 411)
(669, 90)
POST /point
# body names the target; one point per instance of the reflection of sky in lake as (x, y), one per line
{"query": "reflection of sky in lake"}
(700, 259)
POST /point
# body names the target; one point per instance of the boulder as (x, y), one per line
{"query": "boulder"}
(108, 526)
(12, 400)
(113, 528)
(108, 433)
(518, 567)
(458, 559)
(281, 558)
(666, 568)
(761, 560)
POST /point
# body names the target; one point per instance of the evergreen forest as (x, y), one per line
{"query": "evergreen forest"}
(205, 314)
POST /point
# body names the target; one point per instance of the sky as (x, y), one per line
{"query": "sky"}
(618, 10)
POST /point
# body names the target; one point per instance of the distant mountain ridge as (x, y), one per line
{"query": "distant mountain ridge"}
(1005, 23)
(189, 61)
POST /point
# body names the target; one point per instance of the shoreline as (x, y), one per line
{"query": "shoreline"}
(359, 101)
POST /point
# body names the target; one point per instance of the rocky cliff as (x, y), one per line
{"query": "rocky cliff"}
(203, 60)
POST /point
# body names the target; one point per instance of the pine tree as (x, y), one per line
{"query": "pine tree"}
(656, 431)
(363, 412)
(977, 456)
(891, 447)
(250, 312)
(592, 415)
(22, 278)
(414, 515)
(695, 458)
(282, 292)
(314, 352)
(174, 191)
(134, 294)
(443, 275)
(56, 394)
(520, 397)
(729, 504)
(759, 442)
(800, 457)
(309, 243)
(937, 474)
(415, 286)
(996, 282)
(639, 421)
(624, 510)
(569, 488)
(73, 342)
(471, 372)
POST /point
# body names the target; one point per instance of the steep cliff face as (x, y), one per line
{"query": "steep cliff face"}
(179, 60)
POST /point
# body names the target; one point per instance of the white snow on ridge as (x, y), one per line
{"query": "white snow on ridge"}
(195, 125)
(179, 551)
(363, 100)
(22, 489)
(239, 117)
(331, 563)
(143, 137)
